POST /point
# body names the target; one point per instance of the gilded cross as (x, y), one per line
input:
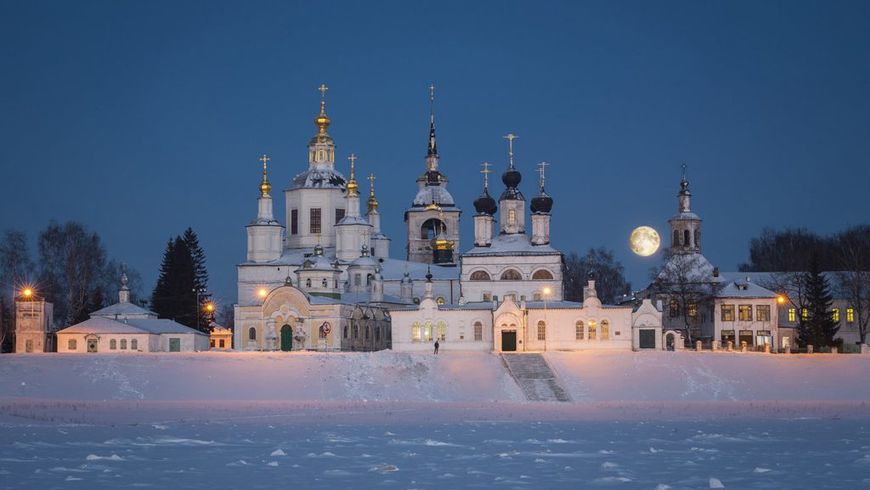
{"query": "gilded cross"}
(486, 171)
(541, 168)
(511, 137)
(371, 178)
(322, 88)
(264, 158)
(352, 159)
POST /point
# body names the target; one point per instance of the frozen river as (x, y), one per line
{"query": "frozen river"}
(734, 453)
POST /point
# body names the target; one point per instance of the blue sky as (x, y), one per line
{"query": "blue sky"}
(142, 118)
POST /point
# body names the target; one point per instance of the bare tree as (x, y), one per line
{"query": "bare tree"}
(15, 271)
(608, 272)
(684, 284)
(853, 280)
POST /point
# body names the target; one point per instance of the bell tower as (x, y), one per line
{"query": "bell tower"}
(685, 225)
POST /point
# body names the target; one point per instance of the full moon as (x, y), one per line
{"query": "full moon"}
(644, 241)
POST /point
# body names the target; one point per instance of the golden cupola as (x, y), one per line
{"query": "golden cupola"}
(265, 186)
(322, 120)
(372, 201)
(352, 186)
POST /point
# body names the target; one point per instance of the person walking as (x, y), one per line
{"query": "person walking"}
(436, 347)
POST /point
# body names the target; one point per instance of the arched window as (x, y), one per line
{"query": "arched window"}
(479, 276)
(123, 344)
(369, 280)
(368, 331)
(686, 237)
(578, 330)
(676, 238)
(415, 332)
(605, 330)
(134, 344)
(512, 217)
(440, 300)
(542, 330)
(593, 330)
(478, 331)
(252, 333)
(442, 331)
(323, 283)
(427, 332)
(356, 331)
(345, 331)
(71, 345)
(511, 275)
(542, 274)
(698, 238)
(674, 308)
(430, 228)
(113, 344)
(308, 283)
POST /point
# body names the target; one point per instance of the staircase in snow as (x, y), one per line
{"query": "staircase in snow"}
(534, 377)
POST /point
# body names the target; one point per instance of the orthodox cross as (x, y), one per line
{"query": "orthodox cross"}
(511, 137)
(322, 88)
(541, 168)
(432, 92)
(486, 171)
(684, 166)
(371, 178)
(264, 158)
(352, 159)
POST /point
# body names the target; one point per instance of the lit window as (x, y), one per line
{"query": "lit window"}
(542, 331)
(478, 331)
(427, 331)
(693, 309)
(440, 300)
(727, 313)
(512, 217)
(762, 313)
(442, 331)
(792, 315)
(850, 315)
(805, 314)
(71, 345)
(674, 308)
(835, 315)
(605, 330)
(415, 332)
(744, 313)
(487, 296)
(593, 332)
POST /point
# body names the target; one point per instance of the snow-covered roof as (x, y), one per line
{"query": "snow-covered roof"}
(102, 325)
(743, 289)
(123, 310)
(433, 193)
(692, 267)
(319, 177)
(512, 244)
(471, 305)
(394, 269)
(317, 263)
(686, 215)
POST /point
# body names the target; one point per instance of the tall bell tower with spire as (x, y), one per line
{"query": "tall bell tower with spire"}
(433, 211)
(685, 225)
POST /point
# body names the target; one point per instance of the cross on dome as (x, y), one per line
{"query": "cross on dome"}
(541, 169)
(486, 171)
(323, 89)
(264, 158)
(511, 137)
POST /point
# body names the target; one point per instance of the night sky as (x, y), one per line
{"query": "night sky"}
(142, 118)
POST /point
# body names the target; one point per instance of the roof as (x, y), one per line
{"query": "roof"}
(123, 310)
(692, 267)
(433, 193)
(512, 244)
(157, 326)
(319, 177)
(395, 269)
(743, 289)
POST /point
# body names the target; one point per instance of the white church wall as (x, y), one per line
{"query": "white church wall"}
(561, 328)
(417, 329)
(495, 266)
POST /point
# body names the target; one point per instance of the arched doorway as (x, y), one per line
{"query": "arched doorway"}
(286, 338)
(670, 343)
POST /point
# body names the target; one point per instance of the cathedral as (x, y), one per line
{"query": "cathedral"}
(323, 277)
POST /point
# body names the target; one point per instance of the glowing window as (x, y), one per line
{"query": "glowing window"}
(442, 331)
(415, 332)
(593, 330)
(792, 315)
(512, 217)
(805, 314)
(835, 314)
(542, 331)
(850, 315)
(762, 313)
(744, 313)
(578, 330)
(440, 300)
(727, 313)
(605, 330)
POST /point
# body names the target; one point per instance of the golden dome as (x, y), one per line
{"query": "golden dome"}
(322, 120)
(443, 244)
(372, 202)
(265, 187)
(352, 187)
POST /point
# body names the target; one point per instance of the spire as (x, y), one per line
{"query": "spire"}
(322, 120)
(352, 186)
(432, 152)
(512, 176)
(373, 201)
(684, 196)
(265, 186)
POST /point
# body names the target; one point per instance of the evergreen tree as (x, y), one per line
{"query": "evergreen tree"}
(197, 254)
(819, 326)
(174, 294)
(161, 297)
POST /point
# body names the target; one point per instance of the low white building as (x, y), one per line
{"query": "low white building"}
(125, 327)
(745, 312)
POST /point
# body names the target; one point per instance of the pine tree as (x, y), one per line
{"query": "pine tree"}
(198, 256)
(819, 325)
(161, 297)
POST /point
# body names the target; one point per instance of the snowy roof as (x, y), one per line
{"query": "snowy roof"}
(319, 177)
(687, 215)
(102, 325)
(352, 220)
(471, 305)
(692, 267)
(780, 281)
(122, 310)
(317, 263)
(394, 269)
(743, 289)
(513, 244)
(364, 261)
(433, 193)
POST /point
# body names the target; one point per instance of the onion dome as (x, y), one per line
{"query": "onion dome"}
(511, 178)
(485, 204)
(542, 203)
(322, 121)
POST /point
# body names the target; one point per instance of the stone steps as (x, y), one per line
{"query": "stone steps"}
(534, 376)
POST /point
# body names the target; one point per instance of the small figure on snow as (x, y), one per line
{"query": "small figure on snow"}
(436, 347)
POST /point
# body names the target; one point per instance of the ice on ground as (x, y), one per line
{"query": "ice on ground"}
(278, 452)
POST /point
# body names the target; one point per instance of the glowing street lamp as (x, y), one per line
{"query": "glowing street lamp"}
(781, 299)
(262, 293)
(209, 307)
(27, 292)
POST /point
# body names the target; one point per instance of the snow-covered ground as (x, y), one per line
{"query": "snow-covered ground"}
(397, 420)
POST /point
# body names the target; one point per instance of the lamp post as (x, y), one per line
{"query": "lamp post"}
(199, 293)
(546, 294)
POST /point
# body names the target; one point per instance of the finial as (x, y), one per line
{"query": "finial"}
(432, 151)
(265, 186)
(431, 102)
(510, 137)
(684, 167)
(541, 169)
(373, 201)
(323, 89)
(486, 171)
(322, 120)
(351, 183)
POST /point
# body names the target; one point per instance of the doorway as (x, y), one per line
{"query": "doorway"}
(174, 345)
(509, 340)
(92, 345)
(286, 338)
(670, 343)
(647, 338)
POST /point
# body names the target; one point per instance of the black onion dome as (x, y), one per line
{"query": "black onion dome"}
(485, 204)
(433, 177)
(511, 178)
(542, 203)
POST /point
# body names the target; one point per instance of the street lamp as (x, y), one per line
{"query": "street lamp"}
(199, 293)
(27, 293)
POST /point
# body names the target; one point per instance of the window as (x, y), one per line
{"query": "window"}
(727, 313)
(71, 345)
(512, 217)
(542, 274)
(123, 344)
(314, 220)
(113, 344)
(308, 282)
(339, 213)
(744, 313)
(252, 333)
(323, 283)
(578, 330)
(134, 344)
(478, 331)
(211, 343)
(605, 330)
(479, 276)
(850, 315)
(686, 237)
(674, 308)
(536, 296)
(345, 331)
(440, 300)
(693, 309)
(676, 238)
(415, 332)
(592, 330)
(835, 315)
(486, 296)
(442, 331)
(221, 341)
(698, 238)
(28, 345)
(357, 279)
(356, 331)
(762, 313)
(321, 332)
(792, 315)
(294, 221)
(511, 275)
(805, 314)
(368, 331)
(427, 331)
(542, 331)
